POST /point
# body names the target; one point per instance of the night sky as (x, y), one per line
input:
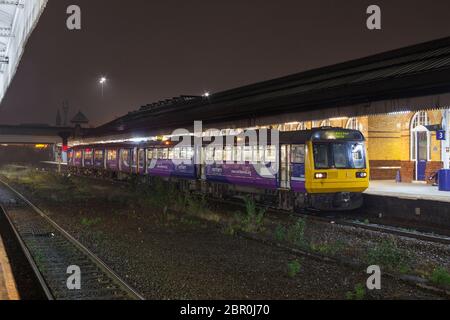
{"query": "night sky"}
(152, 50)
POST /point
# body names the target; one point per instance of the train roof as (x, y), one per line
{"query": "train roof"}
(285, 137)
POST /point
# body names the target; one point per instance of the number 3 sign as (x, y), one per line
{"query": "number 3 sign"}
(440, 135)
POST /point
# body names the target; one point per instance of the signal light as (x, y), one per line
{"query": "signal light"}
(320, 175)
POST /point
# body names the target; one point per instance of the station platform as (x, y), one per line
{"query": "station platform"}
(411, 191)
(8, 289)
(411, 203)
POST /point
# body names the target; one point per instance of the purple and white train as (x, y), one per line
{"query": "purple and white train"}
(323, 168)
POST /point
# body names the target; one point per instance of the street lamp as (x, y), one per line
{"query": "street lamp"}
(102, 82)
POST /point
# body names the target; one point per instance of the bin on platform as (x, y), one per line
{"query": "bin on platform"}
(444, 180)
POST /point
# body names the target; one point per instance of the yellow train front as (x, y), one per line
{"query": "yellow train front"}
(328, 168)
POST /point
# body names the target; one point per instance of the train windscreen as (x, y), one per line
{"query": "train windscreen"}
(339, 155)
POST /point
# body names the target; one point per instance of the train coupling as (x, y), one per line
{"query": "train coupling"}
(342, 200)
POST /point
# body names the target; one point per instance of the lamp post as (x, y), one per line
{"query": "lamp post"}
(102, 82)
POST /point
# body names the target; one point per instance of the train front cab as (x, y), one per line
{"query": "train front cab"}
(336, 170)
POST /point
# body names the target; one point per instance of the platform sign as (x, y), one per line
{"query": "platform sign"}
(440, 135)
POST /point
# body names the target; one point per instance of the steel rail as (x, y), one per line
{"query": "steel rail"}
(95, 259)
(29, 257)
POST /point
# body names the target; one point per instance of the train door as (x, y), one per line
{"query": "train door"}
(202, 156)
(285, 168)
(82, 158)
(134, 160)
(141, 161)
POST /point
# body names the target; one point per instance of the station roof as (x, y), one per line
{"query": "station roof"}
(397, 76)
(17, 21)
(80, 118)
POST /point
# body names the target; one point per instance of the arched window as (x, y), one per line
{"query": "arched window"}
(419, 119)
(353, 124)
(325, 123)
(420, 136)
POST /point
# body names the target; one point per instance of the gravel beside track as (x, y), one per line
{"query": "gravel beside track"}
(53, 252)
(185, 257)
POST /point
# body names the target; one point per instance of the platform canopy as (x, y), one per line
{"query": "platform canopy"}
(408, 79)
(17, 20)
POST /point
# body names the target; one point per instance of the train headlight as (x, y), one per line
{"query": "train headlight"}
(361, 174)
(320, 175)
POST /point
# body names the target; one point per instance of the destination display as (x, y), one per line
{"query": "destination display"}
(338, 135)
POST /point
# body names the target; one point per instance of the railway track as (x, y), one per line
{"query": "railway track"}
(53, 253)
(337, 219)
(413, 231)
(389, 229)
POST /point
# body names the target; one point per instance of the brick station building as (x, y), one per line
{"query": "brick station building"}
(391, 141)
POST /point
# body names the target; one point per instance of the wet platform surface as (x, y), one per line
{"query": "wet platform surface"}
(8, 290)
(413, 191)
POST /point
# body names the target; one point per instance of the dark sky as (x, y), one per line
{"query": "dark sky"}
(151, 50)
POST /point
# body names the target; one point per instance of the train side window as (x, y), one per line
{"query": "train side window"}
(298, 153)
(98, 154)
(170, 153)
(165, 153)
(209, 154)
(159, 153)
(149, 154)
(271, 154)
(248, 154)
(124, 155)
(183, 154)
(237, 154)
(111, 155)
(218, 155)
(88, 154)
(261, 154)
(189, 153)
(257, 154)
(228, 154)
(176, 154)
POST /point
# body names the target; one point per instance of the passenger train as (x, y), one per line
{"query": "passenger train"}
(323, 168)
